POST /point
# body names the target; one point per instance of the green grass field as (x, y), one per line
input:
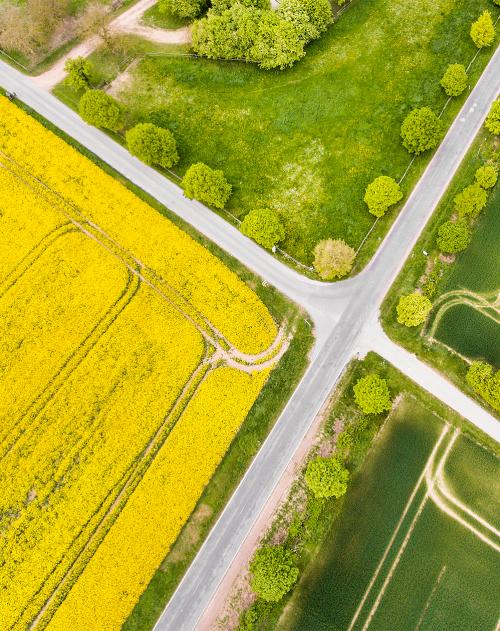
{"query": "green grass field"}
(308, 140)
(397, 556)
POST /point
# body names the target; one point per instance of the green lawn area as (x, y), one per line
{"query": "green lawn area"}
(429, 573)
(307, 141)
(468, 333)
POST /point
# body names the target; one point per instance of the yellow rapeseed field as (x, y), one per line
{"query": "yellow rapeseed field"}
(129, 357)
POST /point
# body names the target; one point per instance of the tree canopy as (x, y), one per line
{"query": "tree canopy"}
(482, 378)
(382, 193)
(372, 394)
(263, 225)
(486, 176)
(206, 185)
(421, 130)
(493, 119)
(453, 236)
(274, 572)
(413, 309)
(333, 258)
(482, 30)
(182, 8)
(327, 477)
(100, 109)
(79, 71)
(455, 79)
(152, 145)
(470, 201)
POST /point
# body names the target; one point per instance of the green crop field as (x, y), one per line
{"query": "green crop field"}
(416, 545)
(307, 140)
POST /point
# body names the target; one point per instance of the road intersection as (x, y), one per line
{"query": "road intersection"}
(345, 316)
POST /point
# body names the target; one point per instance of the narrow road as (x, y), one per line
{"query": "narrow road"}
(342, 312)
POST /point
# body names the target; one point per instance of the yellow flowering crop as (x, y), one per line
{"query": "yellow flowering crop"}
(129, 357)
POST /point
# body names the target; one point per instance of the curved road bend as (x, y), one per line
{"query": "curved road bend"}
(338, 339)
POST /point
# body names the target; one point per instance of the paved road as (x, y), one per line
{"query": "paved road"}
(338, 339)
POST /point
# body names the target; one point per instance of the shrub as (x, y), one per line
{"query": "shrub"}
(219, 6)
(78, 72)
(485, 382)
(382, 193)
(333, 258)
(277, 43)
(152, 145)
(413, 309)
(99, 109)
(294, 11)
(453, 237)
(206, 185)
(182, 8)
(326, 477)
(320, 13)
(273, 572)
(263, 226)
(371, 394)
(493, 119)
(482, 30)
(421, 130)
(486, 176)
(454, 80)
(470, 201)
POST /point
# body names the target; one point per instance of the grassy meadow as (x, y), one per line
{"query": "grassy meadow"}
(436, 573)
(307, 141)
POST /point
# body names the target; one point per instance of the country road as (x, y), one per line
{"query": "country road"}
(344, 313)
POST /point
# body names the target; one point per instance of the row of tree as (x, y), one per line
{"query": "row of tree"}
(273, 568)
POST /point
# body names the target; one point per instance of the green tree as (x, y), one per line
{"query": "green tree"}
(274, 572)
(206, 185)
(454, 80)
(372, 395)
(485, 382)
(493, 119)
(295, 12)
(152, 145)
(263, 225)
(277, 43)
(320, 13)
(219, 6)
(421, 130)
(486, 176)
(413, 309)
(470, 201)
(326, 477)
(79, 71)
(382, 193)
(453, 236)
(482, 30)
(333, 258)
(182, 8)
(100, 109)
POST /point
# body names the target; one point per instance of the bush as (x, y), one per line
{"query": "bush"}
(485, 382)
(206, 185)
(482, 30)
(493, 119)
(78, 72)
(219, 6)
(486, 176)
(453, 237)
(182, 8)
(470, 201)
(413, 309)
(294, 11)
(454, 80)
(382, 193)
(263, 226)
(99, 109)
(421, 130)
(273, 572)
(277, 43)
(333, 258)
(152, 145)
(326, 477)
(371, 394)
(320, 13)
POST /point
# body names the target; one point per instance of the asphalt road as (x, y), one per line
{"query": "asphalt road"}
(357, 300)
